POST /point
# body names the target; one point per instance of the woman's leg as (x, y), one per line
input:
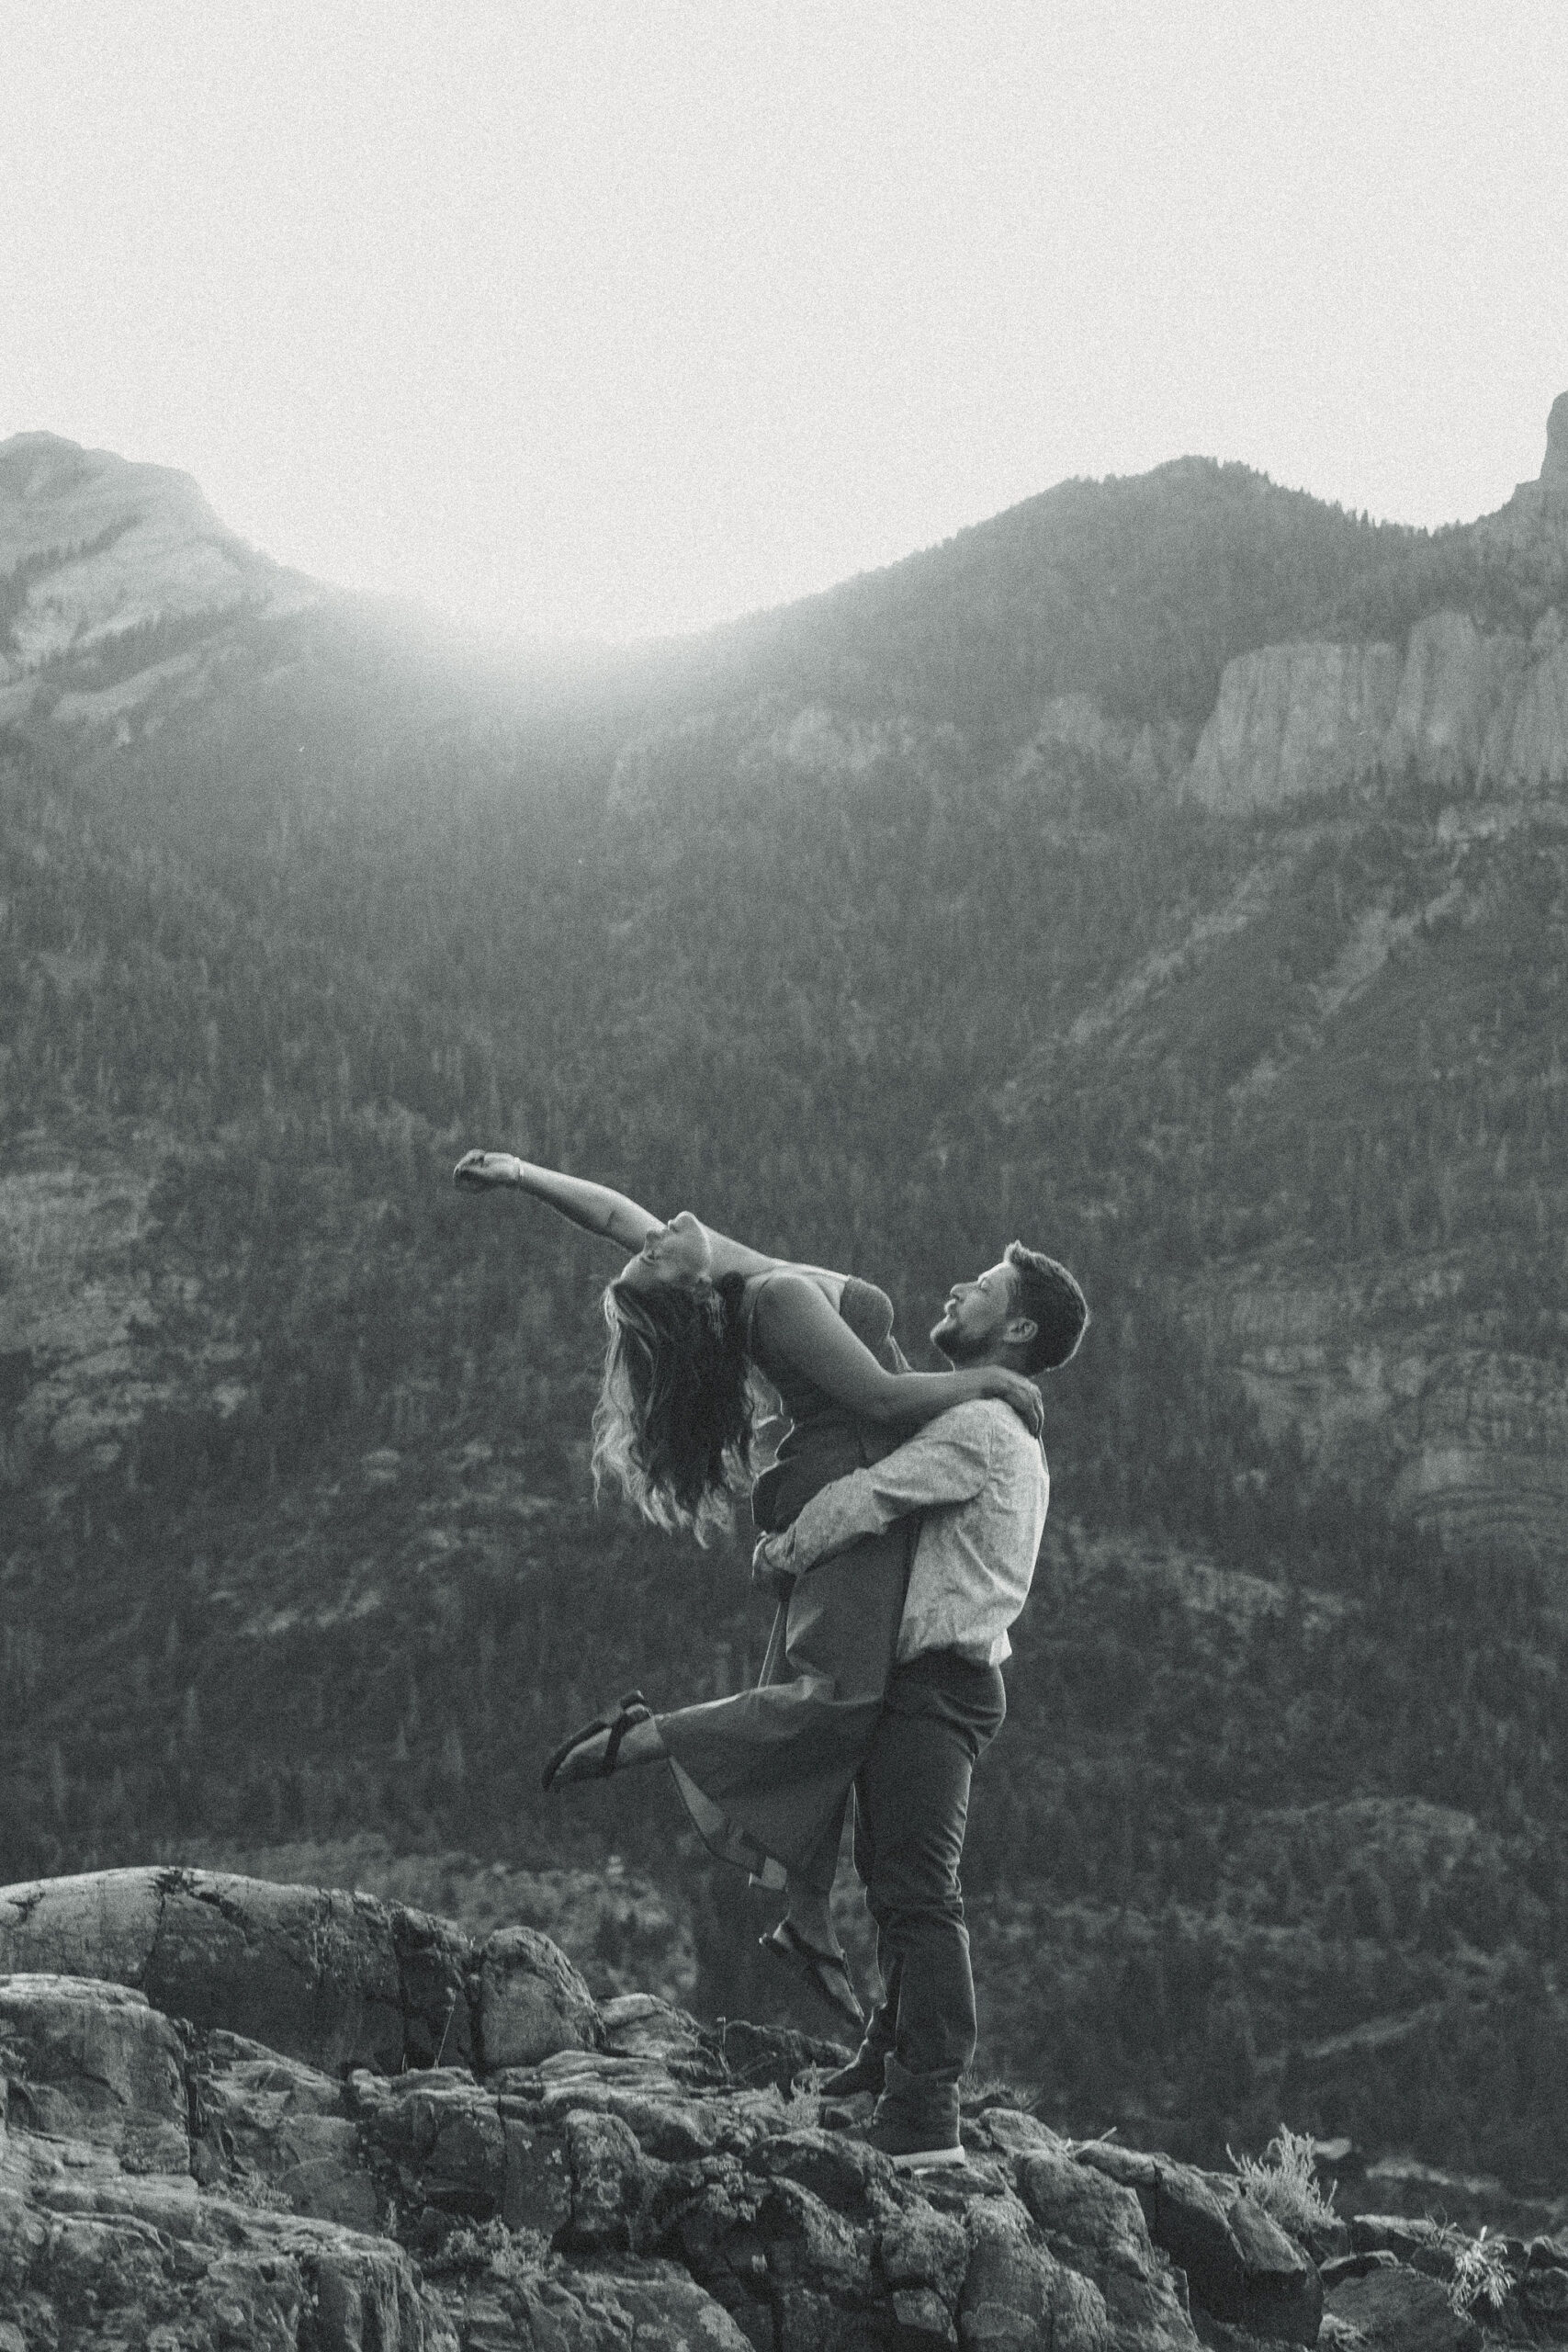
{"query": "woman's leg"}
(765, 1773)
(810, 1914)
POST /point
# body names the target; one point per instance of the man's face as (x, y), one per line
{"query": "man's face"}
(976, 1316)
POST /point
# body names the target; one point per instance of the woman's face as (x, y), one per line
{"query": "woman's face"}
(678, 1254)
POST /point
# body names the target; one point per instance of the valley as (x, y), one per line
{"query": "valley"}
(875, 929)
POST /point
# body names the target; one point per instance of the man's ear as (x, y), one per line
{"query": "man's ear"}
(1021, 1331)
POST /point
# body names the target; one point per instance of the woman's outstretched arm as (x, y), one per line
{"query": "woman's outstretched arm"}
(595, 1207)
(803, 1326)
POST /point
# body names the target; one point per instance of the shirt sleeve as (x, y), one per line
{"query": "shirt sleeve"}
(947, 1462)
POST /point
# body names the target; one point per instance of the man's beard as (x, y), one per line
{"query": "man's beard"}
(955, 1344)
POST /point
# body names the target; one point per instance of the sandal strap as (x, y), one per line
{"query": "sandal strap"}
(815, 1964)
(635, 1709)
(617, 1725)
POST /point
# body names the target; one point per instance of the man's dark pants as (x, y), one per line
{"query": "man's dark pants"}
(911, 1807)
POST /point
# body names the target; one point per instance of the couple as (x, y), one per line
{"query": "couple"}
(899, 1568)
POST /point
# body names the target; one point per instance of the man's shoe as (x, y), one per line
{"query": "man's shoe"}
(866, 2072)
(914, 2147)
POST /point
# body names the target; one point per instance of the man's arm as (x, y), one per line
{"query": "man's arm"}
(947, 1462)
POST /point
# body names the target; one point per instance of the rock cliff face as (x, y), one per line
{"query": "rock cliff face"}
(1399, 1389)
(1545, 499)
(587, 2179)
(1458, 705)
(1462, 708)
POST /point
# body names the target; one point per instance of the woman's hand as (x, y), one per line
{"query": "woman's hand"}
(480, 1172)
(1013, 1389)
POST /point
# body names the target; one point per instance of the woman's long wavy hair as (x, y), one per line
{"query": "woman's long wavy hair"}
(677, 1408)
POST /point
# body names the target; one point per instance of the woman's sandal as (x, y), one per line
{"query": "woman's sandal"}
(828, 1972)
(632, 1708)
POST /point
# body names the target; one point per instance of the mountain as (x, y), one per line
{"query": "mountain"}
(877, 930)
(120, 587)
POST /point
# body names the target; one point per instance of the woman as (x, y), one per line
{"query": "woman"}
(691, 1316)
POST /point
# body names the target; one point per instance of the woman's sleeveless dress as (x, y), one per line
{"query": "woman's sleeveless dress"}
(765, 1774)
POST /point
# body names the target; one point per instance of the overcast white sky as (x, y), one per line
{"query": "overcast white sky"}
(613, 319)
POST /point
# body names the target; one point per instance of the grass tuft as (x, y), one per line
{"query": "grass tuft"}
(1285, 2181)
(1481, 2271)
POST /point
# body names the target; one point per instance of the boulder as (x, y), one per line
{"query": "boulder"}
(532, 2001)
(440, 2139)
(259, 2118)
(811, 2247)
(668, 2120)
(1097, 2226)
(611, 2183)
(1010, 2131)
(1543, 2291)
(848, 2177)
(1401, 2310)
(435, 1964)
(1355, 2265)
(538, 2193)
(1394, 2233)
(776, 2054)
(1016, 2297)
(921, 2248)
(1239, 2263)
(639, 2025)
(654, 2306)
(95, 2064)
(311, 1972)
(1008, 2284)
(100, 1924)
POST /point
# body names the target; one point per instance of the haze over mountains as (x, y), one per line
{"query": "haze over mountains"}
(1173, 869)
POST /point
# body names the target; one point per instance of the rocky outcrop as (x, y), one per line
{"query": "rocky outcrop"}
(1540, 507)
(652, 2186)
(168, 2179)
(333, 1979)
(1239, 2263)
(1292, 720)
(1462, 706)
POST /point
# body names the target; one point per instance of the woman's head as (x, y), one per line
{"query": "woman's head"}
(674, 1423)
(677, 1256)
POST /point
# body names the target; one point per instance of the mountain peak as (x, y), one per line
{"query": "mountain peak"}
(1554, 466)
(56, 496)
(92, 545)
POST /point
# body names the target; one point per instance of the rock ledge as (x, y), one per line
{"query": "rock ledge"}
(584, 2180)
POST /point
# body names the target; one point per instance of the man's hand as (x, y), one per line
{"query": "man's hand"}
(773, 1564)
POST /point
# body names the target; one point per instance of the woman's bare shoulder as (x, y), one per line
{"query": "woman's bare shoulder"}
(785, 1291)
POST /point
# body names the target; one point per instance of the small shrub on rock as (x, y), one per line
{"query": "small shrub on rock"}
(1481, 2271)
(1285, 2181)
(492, 2247)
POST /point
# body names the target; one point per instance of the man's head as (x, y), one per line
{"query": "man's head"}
(1027, 1312)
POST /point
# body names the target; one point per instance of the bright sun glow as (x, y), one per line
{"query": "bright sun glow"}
(624, 318)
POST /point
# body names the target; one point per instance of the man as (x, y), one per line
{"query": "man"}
(979, 1482)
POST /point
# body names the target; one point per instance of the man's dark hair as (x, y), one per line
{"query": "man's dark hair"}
(1048, 1295)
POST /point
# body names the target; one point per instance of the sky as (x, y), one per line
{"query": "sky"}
(615, 320)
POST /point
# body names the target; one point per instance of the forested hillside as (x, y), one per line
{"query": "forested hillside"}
(835, 928)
